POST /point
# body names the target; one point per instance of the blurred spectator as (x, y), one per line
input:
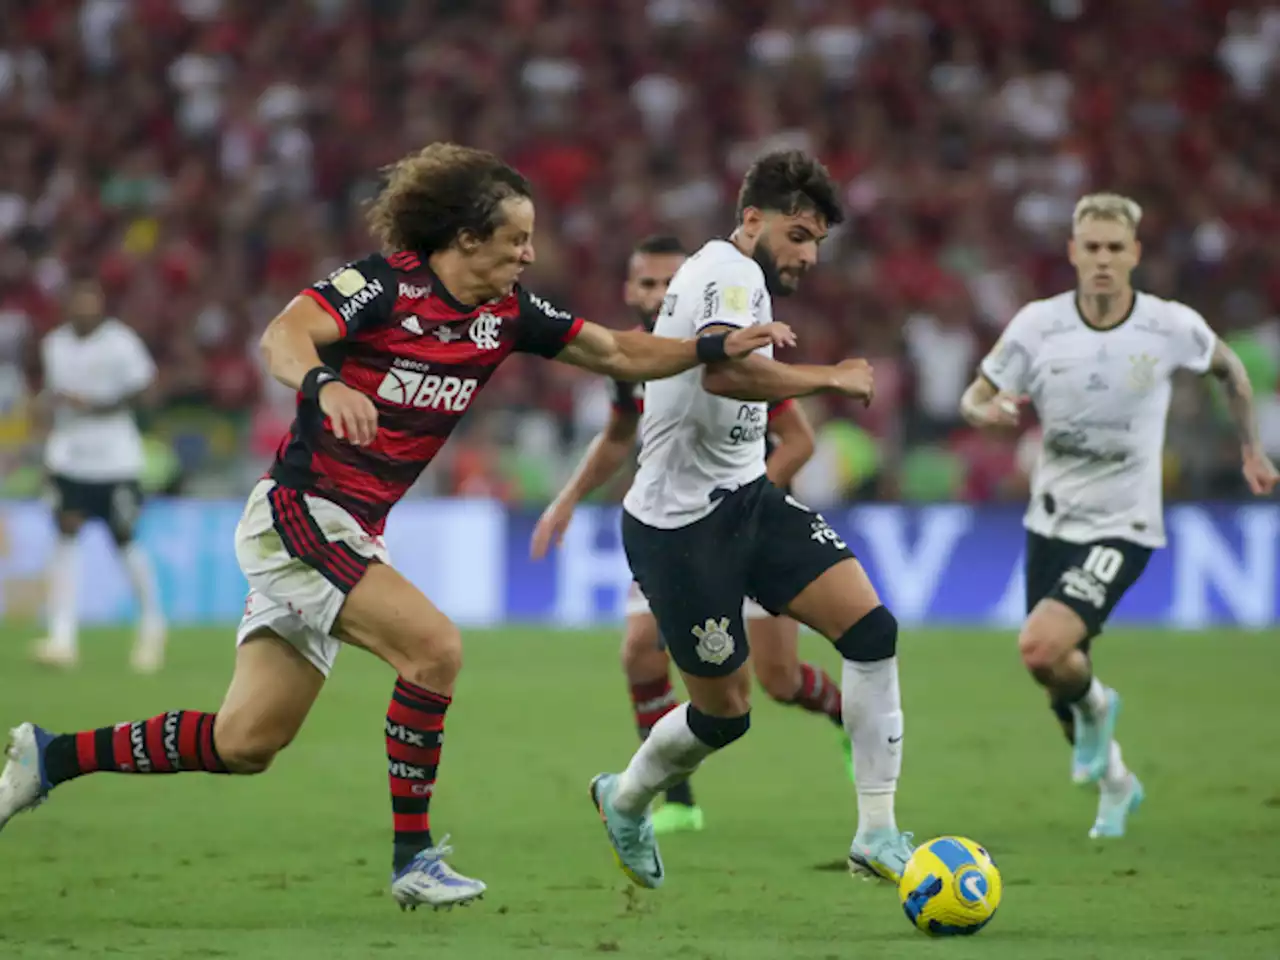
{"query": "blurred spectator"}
(212, 156)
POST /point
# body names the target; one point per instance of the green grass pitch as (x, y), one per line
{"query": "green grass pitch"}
(295, 864)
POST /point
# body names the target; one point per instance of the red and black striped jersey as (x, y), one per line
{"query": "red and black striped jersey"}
(421, 357)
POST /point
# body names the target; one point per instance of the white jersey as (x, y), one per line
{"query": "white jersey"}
(695, 446)
(105, 367)
(1102, 397)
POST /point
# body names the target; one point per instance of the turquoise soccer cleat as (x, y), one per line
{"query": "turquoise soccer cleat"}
(1114, 808)
(1093, 741)
(632, 838)
(881, 853)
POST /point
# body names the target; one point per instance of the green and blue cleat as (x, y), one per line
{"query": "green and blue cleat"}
(881, 853)
(1114, 807)
(631, 837)
(1093, 738)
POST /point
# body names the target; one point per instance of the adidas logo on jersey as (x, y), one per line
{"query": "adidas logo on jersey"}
(411, 324)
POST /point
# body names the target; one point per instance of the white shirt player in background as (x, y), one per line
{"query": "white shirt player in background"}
(95, 370)
(703, 527)
(1096, 364)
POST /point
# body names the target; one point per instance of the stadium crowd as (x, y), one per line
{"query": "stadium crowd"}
(207, 158)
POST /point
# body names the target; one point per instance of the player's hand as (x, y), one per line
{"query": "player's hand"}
(353, 416)
(550, 528)
(74, 401)
(1001, 412)
(741, 343)
(1259, 472)
(855, 378)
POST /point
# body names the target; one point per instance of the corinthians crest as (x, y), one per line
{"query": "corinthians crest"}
(715, 643)
(1142, 376)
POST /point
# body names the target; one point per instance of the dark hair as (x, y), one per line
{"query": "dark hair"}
(790, 181)
(437, 193)
(659, 244)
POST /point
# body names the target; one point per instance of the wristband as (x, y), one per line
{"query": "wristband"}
(315, 381)
(711, 348)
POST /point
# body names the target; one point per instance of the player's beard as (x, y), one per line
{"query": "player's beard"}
(773, 281)
(645, 318)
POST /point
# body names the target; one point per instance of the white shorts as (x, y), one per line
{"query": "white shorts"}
(638, 605)
(301, 555)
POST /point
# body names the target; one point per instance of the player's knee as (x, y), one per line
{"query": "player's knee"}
(436, 661)
(1041, 652)
(874, 637)
(642, 656)
(245, 749)
(718, 732)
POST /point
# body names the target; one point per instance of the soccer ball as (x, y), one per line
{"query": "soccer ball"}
(950, 887)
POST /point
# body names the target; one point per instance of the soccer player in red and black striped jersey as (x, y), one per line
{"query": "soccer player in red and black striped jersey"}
(387, 354)
(774, 640)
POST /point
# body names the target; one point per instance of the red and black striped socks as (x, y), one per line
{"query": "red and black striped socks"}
(415, 729)
(819, 693)
(180, 741)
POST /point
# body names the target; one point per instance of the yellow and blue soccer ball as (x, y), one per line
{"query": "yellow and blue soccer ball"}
(950, 887)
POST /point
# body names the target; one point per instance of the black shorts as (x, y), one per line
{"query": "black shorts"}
(1090, 578)
(759, 543)
(116, 503)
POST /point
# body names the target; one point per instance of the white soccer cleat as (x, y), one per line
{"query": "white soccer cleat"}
(48, 654)
(428, 881)
(148, 650)
(22, 784)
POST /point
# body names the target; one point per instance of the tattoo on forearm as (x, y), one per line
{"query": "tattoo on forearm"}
(1240, 402)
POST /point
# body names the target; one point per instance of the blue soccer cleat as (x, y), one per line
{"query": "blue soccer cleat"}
(881, 853)
(427, 880)
(23, 784)
(632, 837)
(1093, 738)
(1114, 807)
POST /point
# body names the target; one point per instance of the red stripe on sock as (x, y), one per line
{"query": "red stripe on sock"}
(414, 718)
(418, 756)
(154, 732)
(415, 789)
(428, 697)
(411, 822)
(87, 751)
(121, 749)
(188, 744)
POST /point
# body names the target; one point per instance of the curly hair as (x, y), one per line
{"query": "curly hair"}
(790, 181)
(439, 192)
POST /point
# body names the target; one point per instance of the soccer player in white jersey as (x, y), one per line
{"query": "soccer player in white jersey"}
(1096, 363)
(95, 370)
(645, 661)
(703, 527)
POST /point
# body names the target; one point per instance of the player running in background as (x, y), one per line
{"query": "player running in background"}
(704, 527)
(387, 355)
(95, 372)
(645, 661)
(1096, 363)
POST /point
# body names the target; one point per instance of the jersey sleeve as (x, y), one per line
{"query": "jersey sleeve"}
(1008, 366)
(780, 406)
(137, 369)
(1193, 341)
(358, 296)
(543, 328)
(731, 295)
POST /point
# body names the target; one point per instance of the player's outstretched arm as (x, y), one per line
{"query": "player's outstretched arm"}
(633, 355)
(1259, 471)
(606, 454)
(795, 445)
(763, 378)
(985, 407)
(290, 346)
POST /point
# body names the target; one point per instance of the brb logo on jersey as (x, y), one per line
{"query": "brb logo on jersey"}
(408, 384)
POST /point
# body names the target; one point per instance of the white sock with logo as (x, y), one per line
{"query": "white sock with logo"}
(63, 574)
(872, 706)
(142, 576)
(668, 755)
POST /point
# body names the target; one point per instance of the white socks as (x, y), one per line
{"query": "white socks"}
(1094, 702)
(142, 576)
(63, 574)
(1116, 778)
(872, 707)
(669, 754)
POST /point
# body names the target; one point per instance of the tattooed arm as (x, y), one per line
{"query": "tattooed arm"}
(1258, 469)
